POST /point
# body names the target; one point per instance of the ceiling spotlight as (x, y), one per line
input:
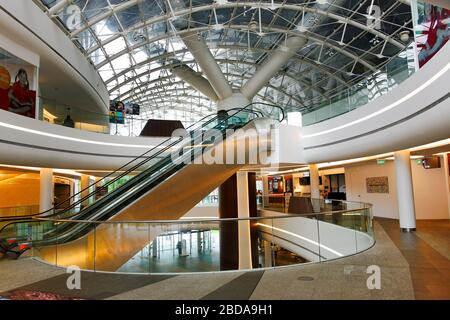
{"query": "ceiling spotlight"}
(252, 25)
(302, 28)
(404, 36)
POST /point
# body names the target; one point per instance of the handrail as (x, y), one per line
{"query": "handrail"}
(143, 119)
(245, 108)
(316, 199)
(263, 223)
(312, 114)
(284, 215)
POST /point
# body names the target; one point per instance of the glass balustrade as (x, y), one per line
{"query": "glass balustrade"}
(389, 76)
(331, 230)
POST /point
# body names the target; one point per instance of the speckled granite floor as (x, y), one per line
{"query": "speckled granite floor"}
(412, 266)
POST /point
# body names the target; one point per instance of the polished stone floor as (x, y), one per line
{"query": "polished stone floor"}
(427, 253)
(413, 266)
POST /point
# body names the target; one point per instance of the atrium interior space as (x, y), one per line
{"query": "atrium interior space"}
(203, 150)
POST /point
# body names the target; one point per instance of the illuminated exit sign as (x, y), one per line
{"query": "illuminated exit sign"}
(381, 161)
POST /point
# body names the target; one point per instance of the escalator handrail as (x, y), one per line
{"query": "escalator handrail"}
(148, 159)
(272, 106)
(133, 168)
(68, 234)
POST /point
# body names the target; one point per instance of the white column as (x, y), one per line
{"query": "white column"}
(405, 194)
(84, 185)
(314, 181)
(208, 64)
(265, 201)
(195, 80)
(447, 180)
(46, 190)
(237, 100)
(271, 66)
(245, 248)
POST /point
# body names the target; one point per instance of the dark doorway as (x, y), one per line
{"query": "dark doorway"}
(62, 192)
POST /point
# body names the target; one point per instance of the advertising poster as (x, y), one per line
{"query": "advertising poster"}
(16, 93)
(132, 108)
(432, 30)
(117, 112)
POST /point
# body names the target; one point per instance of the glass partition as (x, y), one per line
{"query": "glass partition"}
(382, 81)
(273, 239)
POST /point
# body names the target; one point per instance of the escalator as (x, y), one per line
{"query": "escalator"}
(165, 188)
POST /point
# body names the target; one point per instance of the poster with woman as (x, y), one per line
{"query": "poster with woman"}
(432, 30)
(21, 99)
(15, 90)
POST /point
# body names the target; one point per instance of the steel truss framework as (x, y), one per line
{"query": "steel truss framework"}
(134, 44)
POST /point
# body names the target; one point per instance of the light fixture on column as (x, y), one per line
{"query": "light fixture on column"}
(404, 36)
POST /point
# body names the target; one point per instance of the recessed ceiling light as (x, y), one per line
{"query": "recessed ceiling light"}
(302, 29)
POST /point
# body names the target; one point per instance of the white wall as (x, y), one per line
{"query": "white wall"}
(19, 51)
(198, 211)
(384, 204)
(430, 192)
(30, 142)
(287, 145)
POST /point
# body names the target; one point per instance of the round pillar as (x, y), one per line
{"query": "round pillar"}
(84, 185)
(405, 193)
(46, 192)
(237, 100)
(314, 181)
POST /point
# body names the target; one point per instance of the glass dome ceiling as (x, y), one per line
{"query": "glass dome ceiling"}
(136, 44)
